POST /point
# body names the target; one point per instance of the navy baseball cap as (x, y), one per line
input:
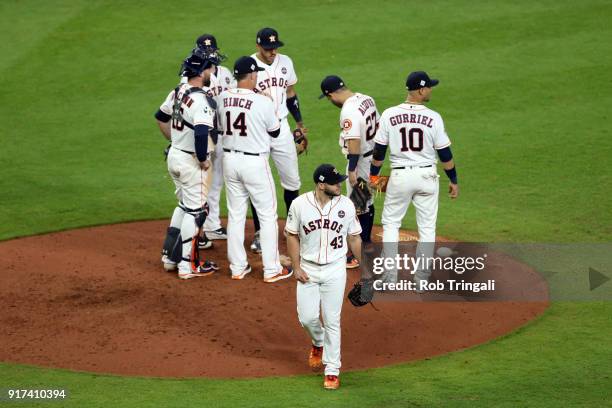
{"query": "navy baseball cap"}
(326, 173)
(246, 65)
(268, 38)
(330, 83)
(207, 40)
(420, 79)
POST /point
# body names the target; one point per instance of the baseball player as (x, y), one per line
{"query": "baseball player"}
(321, 225)
(186, 117)
(249, 124)
(358, 125)
(220, 80)
(277, 80)
(415, 135)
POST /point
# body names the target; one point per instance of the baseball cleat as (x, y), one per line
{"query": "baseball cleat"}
(256, 245)
(220, 233)
(314, 359)
(168, 264)
(206, 268)
(331, 382)
(283, 274)
(204, 242)
(351, 262)
(244, 273)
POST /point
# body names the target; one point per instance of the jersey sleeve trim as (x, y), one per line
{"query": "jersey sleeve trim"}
(289, 230)
(441, 147)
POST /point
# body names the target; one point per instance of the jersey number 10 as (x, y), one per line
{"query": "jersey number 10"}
(412, 139)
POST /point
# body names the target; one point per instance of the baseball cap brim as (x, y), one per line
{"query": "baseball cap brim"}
(322, 96)
(277, 44)
(338, 179)
(433, 82)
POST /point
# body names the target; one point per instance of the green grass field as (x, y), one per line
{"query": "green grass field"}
(525, 93)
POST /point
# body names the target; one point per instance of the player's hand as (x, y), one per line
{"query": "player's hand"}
(300, 275)
(205, 165)
(453, 190)
(352, 178)
(302, 128)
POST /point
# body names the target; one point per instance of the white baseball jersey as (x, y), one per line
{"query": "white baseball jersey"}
(221, 80)
(413, 133)
(358, 120)
(195, 110)
(245, 119)
(274, 80)
(322, 231)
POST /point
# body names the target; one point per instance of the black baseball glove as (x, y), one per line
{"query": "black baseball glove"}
(362, 292)
(360, 196)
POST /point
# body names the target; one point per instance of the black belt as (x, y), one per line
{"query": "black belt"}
(366, 154)
(238, 151)
(410, 167)
(184, 151)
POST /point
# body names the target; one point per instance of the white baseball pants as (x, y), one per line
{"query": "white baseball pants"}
(324, 292)
(249, 177)
(213, 222)
(419, 186)
(192, 184)
(284, 155)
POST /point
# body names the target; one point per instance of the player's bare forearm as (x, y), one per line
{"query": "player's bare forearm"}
(377, 163)
(164, 127)
(354, 244)
(290, 92)
(293, 247)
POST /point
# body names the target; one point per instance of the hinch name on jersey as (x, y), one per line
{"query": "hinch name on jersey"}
(411, 118)
(363, 107)
(270, 82)
(239, 102)
(322, 223)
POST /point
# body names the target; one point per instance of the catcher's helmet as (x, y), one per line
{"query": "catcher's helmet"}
(199, 60)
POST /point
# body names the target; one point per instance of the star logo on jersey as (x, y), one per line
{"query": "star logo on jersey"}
(341, 214)
(207, 42)
(227, 80)
(284, 70)
(347, 124)
(272, 38)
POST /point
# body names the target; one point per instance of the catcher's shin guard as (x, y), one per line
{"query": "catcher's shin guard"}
(173, 247)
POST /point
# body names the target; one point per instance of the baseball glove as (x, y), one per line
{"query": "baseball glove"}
(361, 195)
(379, 183)
(301, 143)
(362, 293)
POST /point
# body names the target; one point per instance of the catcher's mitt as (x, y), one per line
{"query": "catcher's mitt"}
(362, 293)
(301, 143)
(360, 196)
(379, 183)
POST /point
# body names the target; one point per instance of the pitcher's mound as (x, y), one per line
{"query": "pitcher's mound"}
(98, 299)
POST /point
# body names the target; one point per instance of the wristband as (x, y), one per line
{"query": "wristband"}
(353, 159)
(294, 107)
(452, 175)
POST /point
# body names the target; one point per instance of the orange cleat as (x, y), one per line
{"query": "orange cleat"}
(351, 262)
(331, 382)
(285, 273)
(314, 359)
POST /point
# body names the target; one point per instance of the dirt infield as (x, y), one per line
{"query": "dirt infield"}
(98, 299)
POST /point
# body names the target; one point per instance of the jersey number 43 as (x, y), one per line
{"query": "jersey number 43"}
(337, 242)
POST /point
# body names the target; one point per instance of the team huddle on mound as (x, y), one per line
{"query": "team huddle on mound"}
(225, 125)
